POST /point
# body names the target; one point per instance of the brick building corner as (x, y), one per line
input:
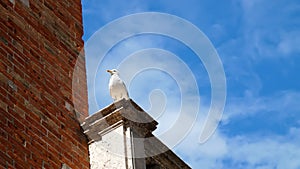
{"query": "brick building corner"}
(43, 93)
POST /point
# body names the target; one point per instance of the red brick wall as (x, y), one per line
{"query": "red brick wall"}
(40, 45)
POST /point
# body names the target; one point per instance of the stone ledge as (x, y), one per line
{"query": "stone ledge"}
(126, 111)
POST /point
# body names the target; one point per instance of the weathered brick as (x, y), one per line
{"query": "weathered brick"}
(39, 47)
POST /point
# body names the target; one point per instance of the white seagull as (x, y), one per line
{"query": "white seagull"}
(116, 86)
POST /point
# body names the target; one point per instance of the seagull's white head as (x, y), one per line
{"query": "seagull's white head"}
(113, 72)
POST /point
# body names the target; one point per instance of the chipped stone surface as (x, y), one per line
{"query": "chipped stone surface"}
(111, 151)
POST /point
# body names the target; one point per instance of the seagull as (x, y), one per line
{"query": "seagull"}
(116, 86)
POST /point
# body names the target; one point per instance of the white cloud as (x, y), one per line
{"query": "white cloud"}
(247, 151)
(107, 11)
(270, 152)
(283, 102)
(266, 30)
(289, 43)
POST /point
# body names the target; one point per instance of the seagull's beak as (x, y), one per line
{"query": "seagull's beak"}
(109, 71)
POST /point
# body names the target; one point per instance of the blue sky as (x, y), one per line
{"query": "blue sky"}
(258, 44)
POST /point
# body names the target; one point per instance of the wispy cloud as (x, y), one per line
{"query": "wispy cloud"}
(289, 43)
(272, 152)
(266, 25)
(100, 12)
(248, 150)
(283, 102)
